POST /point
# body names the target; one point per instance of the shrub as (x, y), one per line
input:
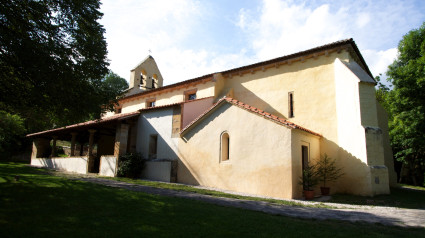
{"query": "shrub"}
(327, 171)
(130, 165)
(309, 177)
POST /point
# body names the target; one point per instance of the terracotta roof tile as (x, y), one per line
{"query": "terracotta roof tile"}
(103, 120)
(89, 123)
(252, 109)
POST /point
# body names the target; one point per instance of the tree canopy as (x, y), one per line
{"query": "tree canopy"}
(52, 61)
(406, 103)
(115, 83)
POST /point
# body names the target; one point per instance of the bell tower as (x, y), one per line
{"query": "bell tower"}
(145, 76)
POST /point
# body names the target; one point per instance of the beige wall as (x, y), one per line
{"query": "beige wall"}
(388, 153)
(360, 140)
(260, 160)
(203, 90)
(70, 164)
(300, 138)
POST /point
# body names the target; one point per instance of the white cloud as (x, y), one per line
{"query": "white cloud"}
(184, 34)
(135, 27)
(378, 61)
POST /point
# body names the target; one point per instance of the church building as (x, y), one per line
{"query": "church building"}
(249, 129)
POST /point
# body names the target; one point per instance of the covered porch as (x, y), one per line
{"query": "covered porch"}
(94, 145)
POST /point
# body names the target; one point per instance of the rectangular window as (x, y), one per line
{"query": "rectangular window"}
(153, 146)
(118, 111)
(291, 104)
(150, 102)
(190, 95)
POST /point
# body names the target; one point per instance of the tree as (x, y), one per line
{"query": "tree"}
(406, 103)
(52, 61)
(11, 129)
(115, 83)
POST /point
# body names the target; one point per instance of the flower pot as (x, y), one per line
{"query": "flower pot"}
(325, 190)
(309, 195)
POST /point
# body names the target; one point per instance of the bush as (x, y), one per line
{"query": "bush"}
(130, 165)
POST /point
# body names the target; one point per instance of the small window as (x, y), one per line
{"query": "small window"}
(118, 111)
(225, 146)
(190, 95)
(153, 146)
(150, 102)
(291, 104)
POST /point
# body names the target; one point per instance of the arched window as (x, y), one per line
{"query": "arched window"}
(225, 146)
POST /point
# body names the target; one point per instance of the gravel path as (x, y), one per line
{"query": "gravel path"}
(389, 216)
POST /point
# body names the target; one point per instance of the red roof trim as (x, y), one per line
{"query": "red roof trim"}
(252, 109)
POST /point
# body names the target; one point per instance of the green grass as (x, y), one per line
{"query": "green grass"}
(42, 205)
(186, 188)
(404, 197)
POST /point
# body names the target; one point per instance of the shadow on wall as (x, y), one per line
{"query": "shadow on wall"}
(359, 178)
(252, 99)
(186, 173)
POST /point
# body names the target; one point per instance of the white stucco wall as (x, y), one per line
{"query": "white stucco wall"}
(158, 122)
(108, 166)
(157, 170)
(70, 164)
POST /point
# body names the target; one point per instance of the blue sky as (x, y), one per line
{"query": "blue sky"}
(190, 38)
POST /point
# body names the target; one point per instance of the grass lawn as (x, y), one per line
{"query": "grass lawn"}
(42, 205)
(404, 197)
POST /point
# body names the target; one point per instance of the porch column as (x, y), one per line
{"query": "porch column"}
(54, 146)
(39, 147)
(90, 166)
(121, 140)
(74, 135)
(91, 138)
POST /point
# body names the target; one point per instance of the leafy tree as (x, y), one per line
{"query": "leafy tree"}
(406, 103)
(115, 83)
(52, 61)
(11, 129)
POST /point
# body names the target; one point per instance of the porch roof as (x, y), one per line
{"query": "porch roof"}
(105, 123)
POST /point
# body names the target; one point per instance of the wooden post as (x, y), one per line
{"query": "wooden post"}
(74, 135)
(54, 147)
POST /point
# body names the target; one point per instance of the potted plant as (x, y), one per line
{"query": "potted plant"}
(309, 180)
(327, 171)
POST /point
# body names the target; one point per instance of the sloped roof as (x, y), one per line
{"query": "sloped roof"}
(141, 62)
(329, 46)
(117, 117)
(359, 72)
(251, 109)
